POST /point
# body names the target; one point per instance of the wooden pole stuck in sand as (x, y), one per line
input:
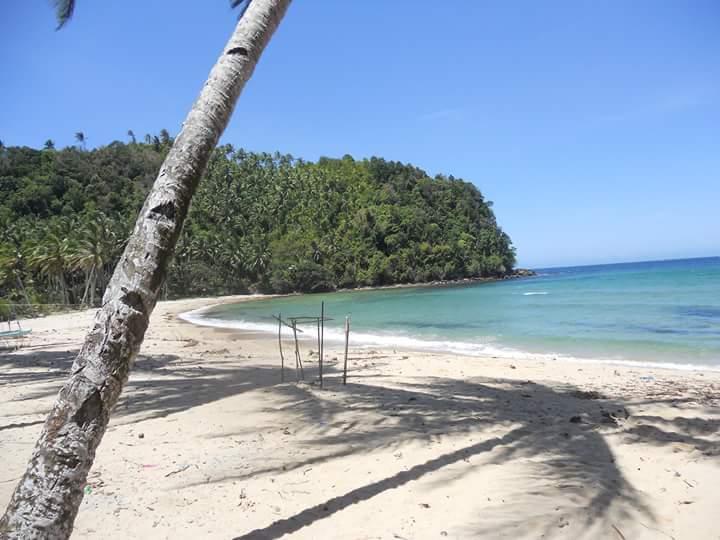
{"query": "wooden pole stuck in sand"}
(298, 363)
(282, 355)
(318, 337)
(347, 341)
(299, 356)
(282, 358)
(322, 339)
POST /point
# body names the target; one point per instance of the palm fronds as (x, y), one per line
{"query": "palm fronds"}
(243, 4)
(64, 10)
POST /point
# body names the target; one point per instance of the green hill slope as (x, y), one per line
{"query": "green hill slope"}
(258, 222)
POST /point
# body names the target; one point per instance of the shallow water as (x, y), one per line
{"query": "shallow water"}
(664, 312)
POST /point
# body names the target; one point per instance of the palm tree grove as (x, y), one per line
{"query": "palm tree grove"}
(259, 222)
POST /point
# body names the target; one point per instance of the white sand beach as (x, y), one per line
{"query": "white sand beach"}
(207, 443)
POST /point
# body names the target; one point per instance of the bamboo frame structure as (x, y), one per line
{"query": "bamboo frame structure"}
(298, 361)
(292, 323)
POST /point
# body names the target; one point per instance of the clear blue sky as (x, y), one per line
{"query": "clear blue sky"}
(594, 126)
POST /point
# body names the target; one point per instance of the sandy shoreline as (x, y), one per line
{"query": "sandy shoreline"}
(207, 443)
(198, 316)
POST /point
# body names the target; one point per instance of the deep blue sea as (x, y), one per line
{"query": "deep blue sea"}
(665, 312)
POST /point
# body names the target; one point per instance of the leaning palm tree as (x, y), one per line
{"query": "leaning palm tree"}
(47, 498)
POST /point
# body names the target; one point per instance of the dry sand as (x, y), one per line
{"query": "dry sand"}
(206, 442)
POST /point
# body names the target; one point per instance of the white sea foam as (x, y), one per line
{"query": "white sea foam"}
(366, 340)
(534, 293)
(361, 339)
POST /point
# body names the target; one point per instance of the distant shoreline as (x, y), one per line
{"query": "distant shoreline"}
(435, 283)
(239, 298)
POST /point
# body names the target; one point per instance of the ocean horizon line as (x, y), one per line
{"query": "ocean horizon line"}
(620, 263)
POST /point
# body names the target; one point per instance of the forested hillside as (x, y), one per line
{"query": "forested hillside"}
(265, 222)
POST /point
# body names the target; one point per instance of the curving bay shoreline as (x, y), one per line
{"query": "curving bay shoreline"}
(207, 442)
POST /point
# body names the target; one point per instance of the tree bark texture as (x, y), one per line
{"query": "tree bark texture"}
(47, 498)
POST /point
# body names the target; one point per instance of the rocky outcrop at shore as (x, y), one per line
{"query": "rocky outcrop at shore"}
(520, 273)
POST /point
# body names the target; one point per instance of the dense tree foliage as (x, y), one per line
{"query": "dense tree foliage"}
(259, 222)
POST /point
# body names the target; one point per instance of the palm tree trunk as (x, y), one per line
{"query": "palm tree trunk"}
(46, 500)
(23, 290)
(102, 276)
(97, 270)
(88, 281)
(62, 284)
(57, 287)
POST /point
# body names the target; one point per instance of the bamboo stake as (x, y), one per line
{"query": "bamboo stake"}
(282, 358)
(297, 352)
(347, 341)
(318, 337)
(302, 372)
(322, 340)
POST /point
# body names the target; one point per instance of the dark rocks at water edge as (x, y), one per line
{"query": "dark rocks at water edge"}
(521, 273)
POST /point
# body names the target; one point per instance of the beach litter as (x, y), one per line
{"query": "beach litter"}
(176, 471)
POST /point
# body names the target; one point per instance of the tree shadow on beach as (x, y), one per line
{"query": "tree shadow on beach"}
(694, 432)
(159, 384)
(176, 388)
(35, 366)
(559, 434)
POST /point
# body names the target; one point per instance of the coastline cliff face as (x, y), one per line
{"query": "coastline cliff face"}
(261, 222)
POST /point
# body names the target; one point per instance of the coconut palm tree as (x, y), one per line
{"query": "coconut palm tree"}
(12, 257)
(235, 256)
(47, 497)
(131, 134)
(91, 253)
(11, 264)
(50, 258)
(165, 137)
(260, 257)
(80, 138)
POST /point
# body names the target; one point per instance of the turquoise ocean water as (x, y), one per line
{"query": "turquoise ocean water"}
(665, 312)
